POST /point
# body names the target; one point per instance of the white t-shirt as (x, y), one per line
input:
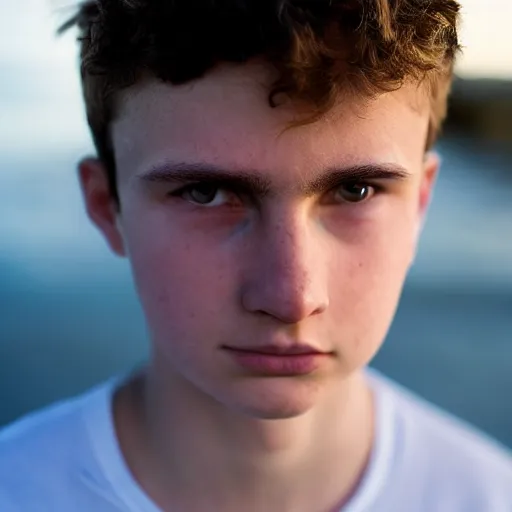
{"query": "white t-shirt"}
(66, 458)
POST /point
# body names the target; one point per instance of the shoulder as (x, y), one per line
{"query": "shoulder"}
(445, 458)
(43, 452)
(36, 434)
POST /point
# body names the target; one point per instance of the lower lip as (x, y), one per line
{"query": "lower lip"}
(278, 365)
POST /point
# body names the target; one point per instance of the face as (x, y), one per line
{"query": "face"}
(242, 235)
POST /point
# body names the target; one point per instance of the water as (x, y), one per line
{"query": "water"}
(69, 315)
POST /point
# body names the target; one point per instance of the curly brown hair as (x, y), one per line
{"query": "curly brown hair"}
(317, 47)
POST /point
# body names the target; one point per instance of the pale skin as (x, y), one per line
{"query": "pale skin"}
(316, 254)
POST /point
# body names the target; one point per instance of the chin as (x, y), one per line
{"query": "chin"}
(275, 399)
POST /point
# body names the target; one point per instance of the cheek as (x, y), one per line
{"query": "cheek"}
(367, 280)
(377, 248)
(385, 260)
(181, 285)
(371, 270)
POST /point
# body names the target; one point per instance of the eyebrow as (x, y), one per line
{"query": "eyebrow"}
(255, 184)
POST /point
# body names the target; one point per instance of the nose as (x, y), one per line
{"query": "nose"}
(288, 276)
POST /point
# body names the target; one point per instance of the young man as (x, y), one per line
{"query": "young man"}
(266, 167)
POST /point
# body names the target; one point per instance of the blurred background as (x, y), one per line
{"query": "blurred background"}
(68, 312)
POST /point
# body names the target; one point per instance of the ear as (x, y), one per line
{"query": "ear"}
(431, 167)
(429, 174)
(101, 207)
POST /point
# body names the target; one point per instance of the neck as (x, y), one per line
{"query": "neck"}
(187, 449)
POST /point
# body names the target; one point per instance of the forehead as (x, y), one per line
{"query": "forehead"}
(225, 119)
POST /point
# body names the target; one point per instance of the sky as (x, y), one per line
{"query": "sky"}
(40, 96)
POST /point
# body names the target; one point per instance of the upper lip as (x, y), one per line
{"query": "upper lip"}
(295, 349)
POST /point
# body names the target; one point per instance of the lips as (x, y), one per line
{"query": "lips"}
(278, 361)
(276, 350)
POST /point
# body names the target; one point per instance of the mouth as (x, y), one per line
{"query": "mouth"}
(276, 350)
(279, 361)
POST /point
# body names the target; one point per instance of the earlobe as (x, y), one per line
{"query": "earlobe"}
(101, 207)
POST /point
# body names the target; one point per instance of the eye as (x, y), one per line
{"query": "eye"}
(205, 194)
(201, 194)
(354, 192)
